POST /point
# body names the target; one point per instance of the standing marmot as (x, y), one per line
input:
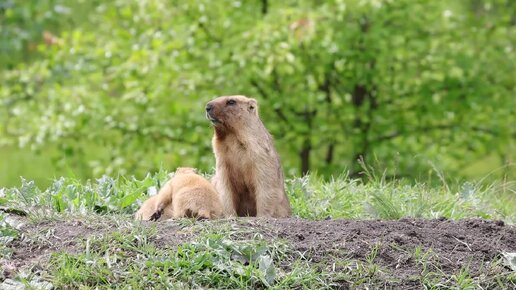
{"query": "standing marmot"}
(248, 177)
(190, 194)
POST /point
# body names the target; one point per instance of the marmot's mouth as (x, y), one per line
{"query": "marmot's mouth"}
(213, 120)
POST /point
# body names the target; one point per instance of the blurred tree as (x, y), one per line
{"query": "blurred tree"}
(121, 85)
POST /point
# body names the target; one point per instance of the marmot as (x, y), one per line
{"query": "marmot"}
(190, 195)
(248, 177)
(148, 208)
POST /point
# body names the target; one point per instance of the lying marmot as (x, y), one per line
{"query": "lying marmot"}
(190, 195)
(248, 177)
(148, 208)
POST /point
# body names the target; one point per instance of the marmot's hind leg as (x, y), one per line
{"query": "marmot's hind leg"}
(156, 215)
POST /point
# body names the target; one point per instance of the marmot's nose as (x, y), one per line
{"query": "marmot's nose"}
(209, 107)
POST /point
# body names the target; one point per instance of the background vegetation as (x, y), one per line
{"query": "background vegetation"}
(406, 86)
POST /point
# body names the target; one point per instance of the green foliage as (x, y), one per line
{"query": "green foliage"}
(311, 197)
(8, 233)
(120, 86)
(510, 260)
(314, 198)
(104, 195)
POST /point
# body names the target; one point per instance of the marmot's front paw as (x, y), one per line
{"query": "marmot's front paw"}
(155, 216)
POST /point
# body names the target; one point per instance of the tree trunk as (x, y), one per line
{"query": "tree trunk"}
(329, 154)
(359, 97)
(304, 155)
(265, 7)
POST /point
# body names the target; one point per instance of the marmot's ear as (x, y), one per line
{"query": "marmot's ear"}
(253, 106)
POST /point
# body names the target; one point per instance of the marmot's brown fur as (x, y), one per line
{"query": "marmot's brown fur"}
(148, 208)
(248, 177)
(189, 195)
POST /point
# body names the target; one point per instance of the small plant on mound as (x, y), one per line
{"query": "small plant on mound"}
(8, 233)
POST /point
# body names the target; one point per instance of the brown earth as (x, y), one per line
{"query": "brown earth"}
(450, 245)
(453, 245)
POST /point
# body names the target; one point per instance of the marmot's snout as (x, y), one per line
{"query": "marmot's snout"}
(209, 113)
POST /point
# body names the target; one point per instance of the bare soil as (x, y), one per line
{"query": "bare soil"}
(450, 245)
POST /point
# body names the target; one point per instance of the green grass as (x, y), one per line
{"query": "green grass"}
(314, 198)
(128, 258)
(224, 255)
(311, 197)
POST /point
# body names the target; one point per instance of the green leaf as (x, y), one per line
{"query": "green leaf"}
(510, 260)
(266, 266)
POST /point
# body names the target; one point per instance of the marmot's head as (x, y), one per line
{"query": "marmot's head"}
(186, 170)
(229, 113)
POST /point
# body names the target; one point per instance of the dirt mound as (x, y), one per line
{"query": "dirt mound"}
(402, 250)
(448, 245)
(45, 239)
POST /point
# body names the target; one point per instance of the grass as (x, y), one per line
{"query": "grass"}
(131, 258)
(311, 198)
(222, 254)
(314, 198)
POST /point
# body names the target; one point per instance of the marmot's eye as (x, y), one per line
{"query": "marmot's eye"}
(231, 102)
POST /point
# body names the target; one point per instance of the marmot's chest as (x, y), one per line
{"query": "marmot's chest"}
(247, 150)
(241, 184)
(240, 163)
